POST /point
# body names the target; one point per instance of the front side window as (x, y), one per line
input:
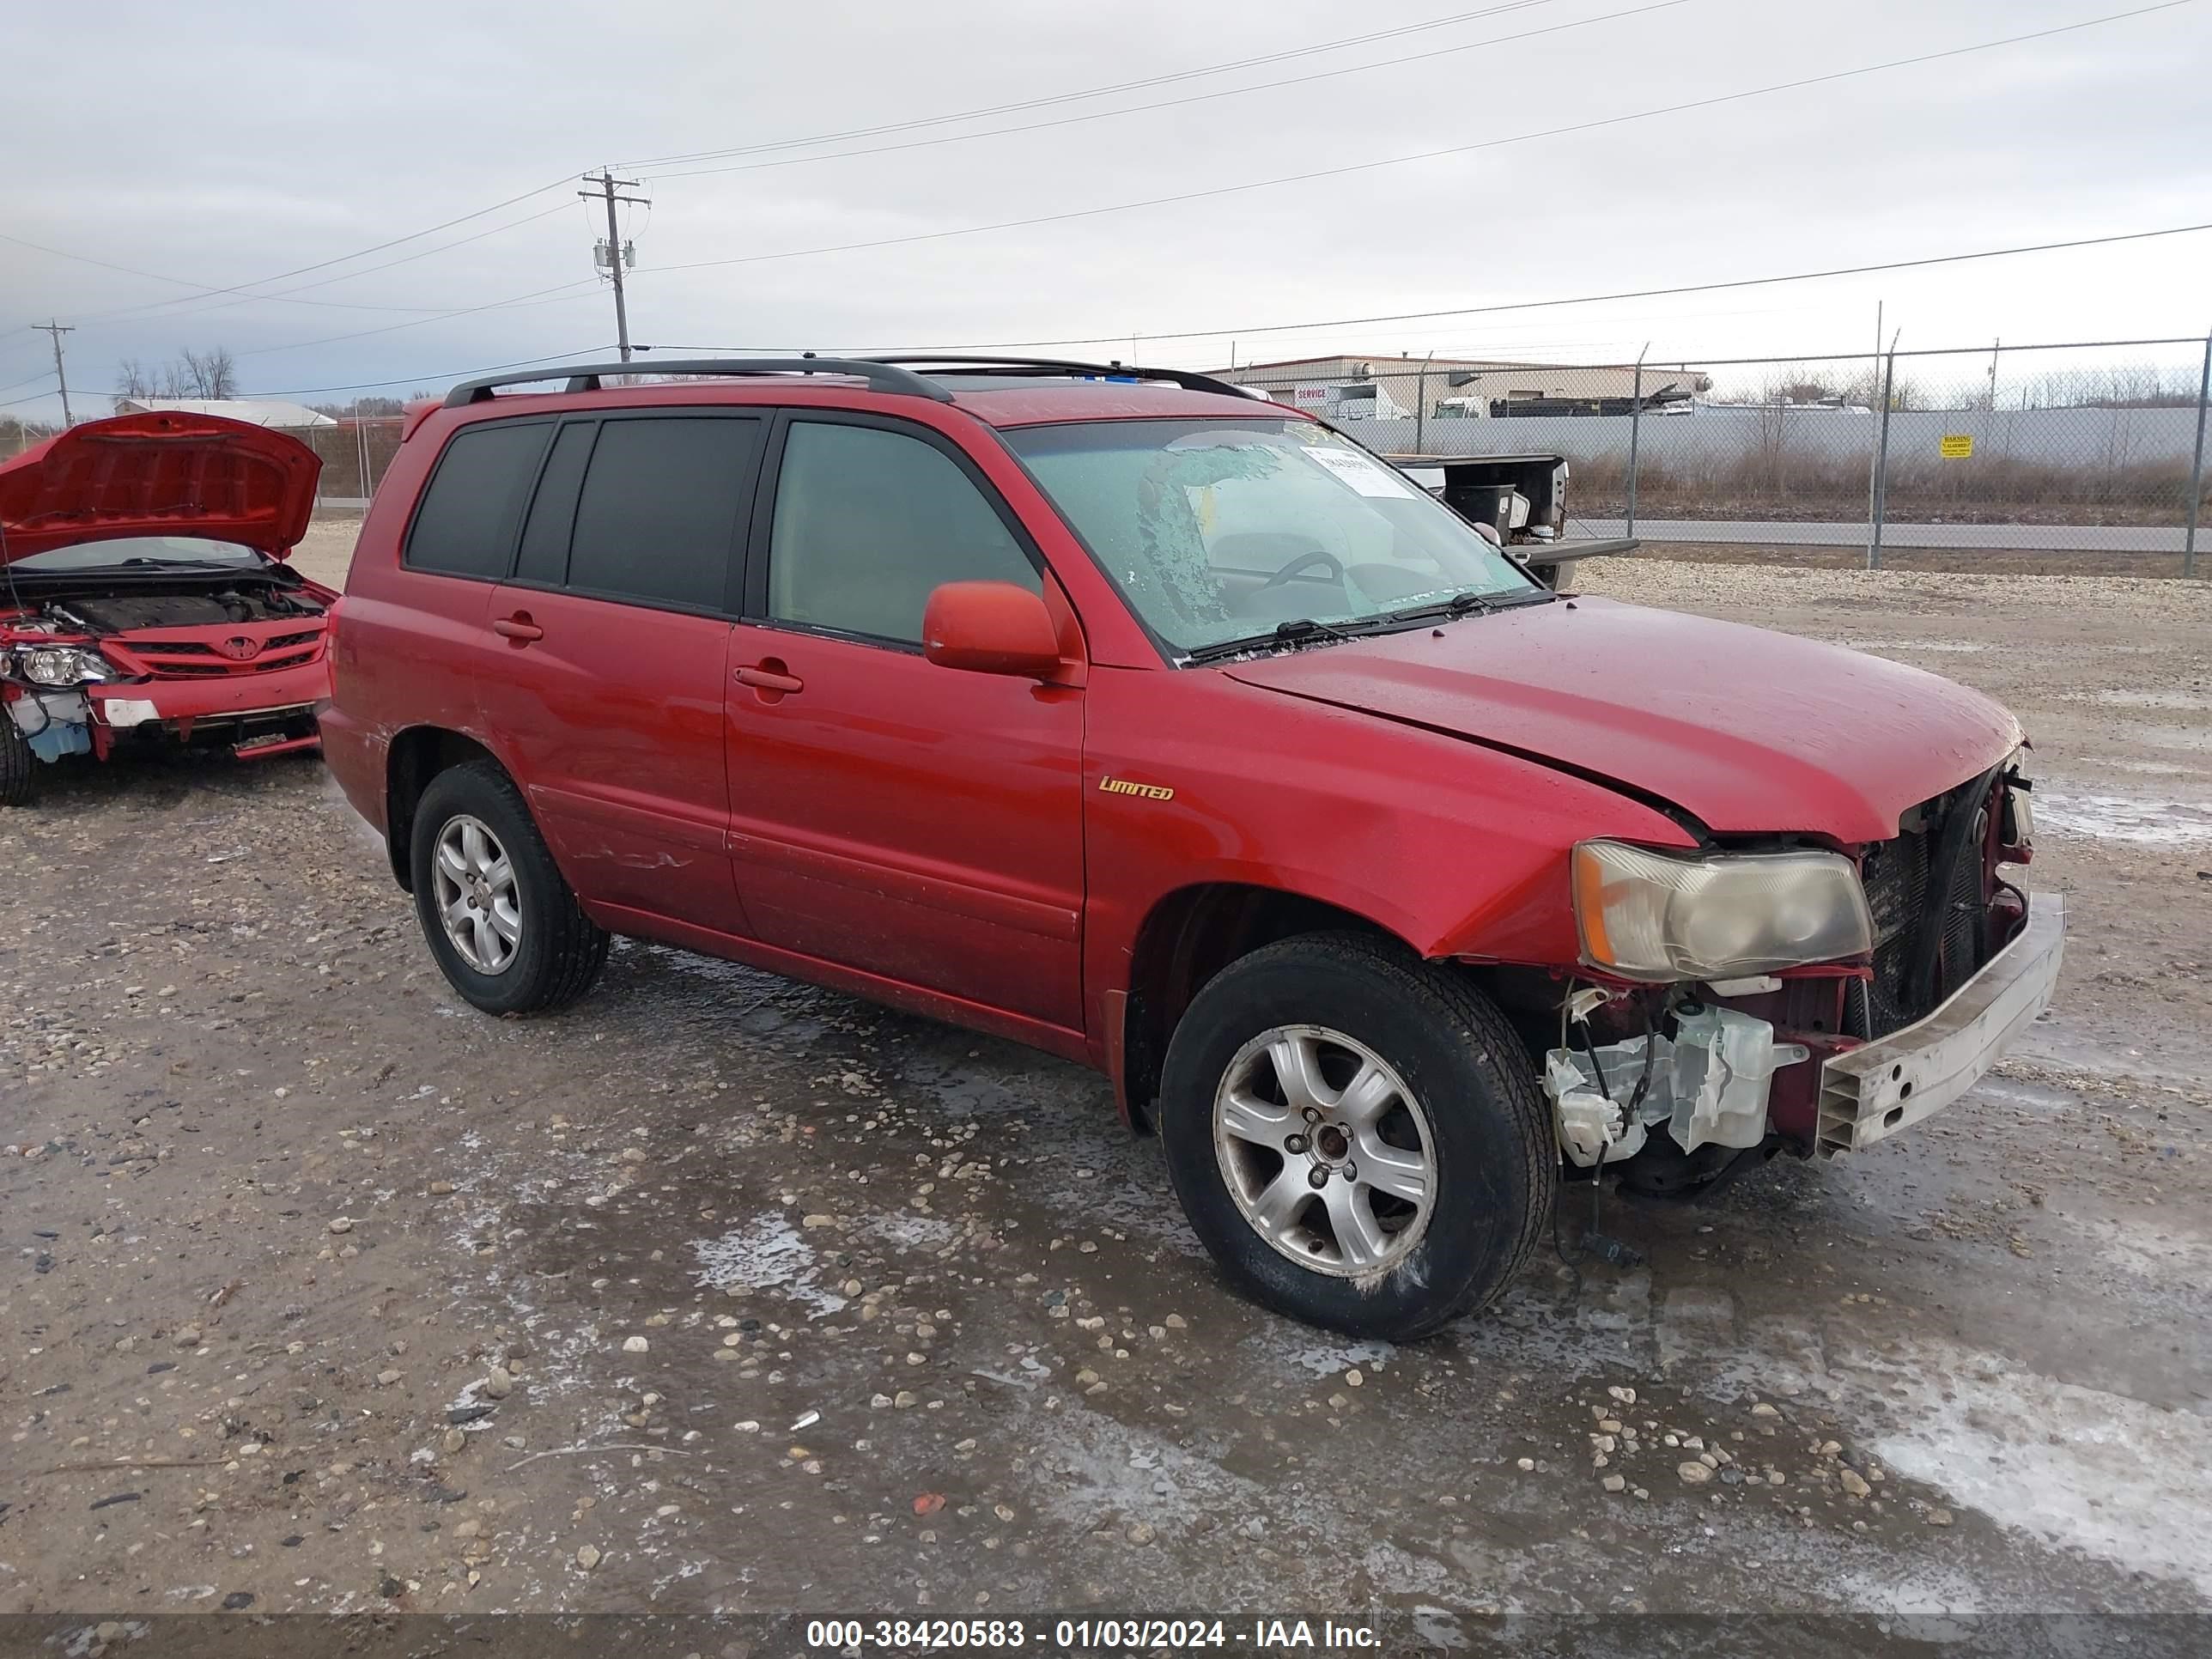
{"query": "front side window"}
(869, 522)
(1217, 531)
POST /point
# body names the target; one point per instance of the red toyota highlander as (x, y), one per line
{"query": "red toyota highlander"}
(1114, 712)
(144, 592)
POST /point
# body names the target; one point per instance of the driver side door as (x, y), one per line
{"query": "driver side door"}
(917, 823)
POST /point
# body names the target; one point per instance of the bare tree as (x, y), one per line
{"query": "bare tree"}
(135, 380)
(213, 373)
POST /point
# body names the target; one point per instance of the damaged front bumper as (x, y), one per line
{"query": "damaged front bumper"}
(1870, 1092)
(1710, 1084)
(253, 716)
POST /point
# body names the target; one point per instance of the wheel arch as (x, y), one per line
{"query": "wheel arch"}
(1188, 937)
(416, 756)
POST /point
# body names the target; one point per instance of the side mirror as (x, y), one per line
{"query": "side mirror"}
(990, 627)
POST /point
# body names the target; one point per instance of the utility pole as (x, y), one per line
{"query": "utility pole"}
(56, 330)
(608, 184)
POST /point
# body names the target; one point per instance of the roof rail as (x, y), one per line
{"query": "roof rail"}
(587, 377)
(1011, 367)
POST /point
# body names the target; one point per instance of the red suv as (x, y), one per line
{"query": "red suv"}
(1116, 713)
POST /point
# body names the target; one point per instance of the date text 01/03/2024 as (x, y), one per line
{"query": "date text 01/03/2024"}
(1088, 1635)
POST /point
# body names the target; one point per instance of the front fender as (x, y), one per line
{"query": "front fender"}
(1457, 849)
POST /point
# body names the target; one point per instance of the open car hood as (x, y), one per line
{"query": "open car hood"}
(164, 473)
(1748, 731)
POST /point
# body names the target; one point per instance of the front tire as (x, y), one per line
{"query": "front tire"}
(503, 922)
(18, 767)
(1357, 1136)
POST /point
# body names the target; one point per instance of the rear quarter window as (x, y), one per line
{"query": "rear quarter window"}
(465, 523)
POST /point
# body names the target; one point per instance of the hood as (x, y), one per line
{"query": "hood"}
(166, 473)
(1748, 732)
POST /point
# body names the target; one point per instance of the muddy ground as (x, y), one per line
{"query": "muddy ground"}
(324, 1292)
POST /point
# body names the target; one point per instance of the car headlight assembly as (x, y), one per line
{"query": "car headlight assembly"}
(1666, 916)
(60, 664)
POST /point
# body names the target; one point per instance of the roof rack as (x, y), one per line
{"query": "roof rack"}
(1011, 367)
(881, 376)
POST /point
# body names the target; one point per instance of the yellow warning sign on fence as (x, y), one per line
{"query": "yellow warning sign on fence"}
(1956, 446)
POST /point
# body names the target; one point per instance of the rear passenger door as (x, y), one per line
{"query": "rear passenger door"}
(920, 823)
(614, 638)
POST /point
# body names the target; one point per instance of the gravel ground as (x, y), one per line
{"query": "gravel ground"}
(324, 1293)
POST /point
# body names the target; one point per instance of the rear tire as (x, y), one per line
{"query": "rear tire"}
(19, 773)
(477, 855)
(1410, 1098)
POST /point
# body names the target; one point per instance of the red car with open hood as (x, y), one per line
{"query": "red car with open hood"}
(144, 592)
(1114, 712)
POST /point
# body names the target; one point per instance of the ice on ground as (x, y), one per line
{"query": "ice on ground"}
(2124, 817)
(2098, 1472)
(766, 1254)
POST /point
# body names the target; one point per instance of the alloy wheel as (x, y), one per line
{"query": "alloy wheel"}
(1325, 1151)
(475, 895)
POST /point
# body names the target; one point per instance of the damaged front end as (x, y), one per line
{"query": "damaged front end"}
(1742, 1002)
(240, 664)
(143, 589)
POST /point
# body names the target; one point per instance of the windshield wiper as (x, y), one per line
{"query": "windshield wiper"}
(1460, 605)
(1521, 602)
(1296, 631)
(1472, 603)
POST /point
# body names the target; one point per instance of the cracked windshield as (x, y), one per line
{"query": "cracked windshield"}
(1221, 532)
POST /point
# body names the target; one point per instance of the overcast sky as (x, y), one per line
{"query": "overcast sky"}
(220, 144)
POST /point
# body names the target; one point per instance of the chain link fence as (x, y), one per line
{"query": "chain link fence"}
(355, 454)
(2091, 447)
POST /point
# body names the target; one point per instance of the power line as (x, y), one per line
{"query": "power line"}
(240, 289)
(347, 276)
(203, 291)
(1429, 156)
(1174, 103)
(1239, 329)
(441, 374)
(363, 252)
(298, 271)
(558, 292)
(1093, 92)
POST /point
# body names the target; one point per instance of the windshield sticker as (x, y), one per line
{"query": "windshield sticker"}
(1368, 476)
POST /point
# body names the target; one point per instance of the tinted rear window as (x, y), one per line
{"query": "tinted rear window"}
(545, 555)
(657, 518)
(465, 524)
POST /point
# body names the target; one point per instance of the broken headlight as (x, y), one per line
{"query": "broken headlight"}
(59, 665)
(1664, 916)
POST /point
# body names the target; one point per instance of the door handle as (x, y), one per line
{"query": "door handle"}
(518, 627)
(768, 678)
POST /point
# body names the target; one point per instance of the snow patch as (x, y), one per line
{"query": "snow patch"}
(1962, 647)
(2144, 699)
(766, 1254)
(2081, 1468)
(2124, 817)
(1297, 1348)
